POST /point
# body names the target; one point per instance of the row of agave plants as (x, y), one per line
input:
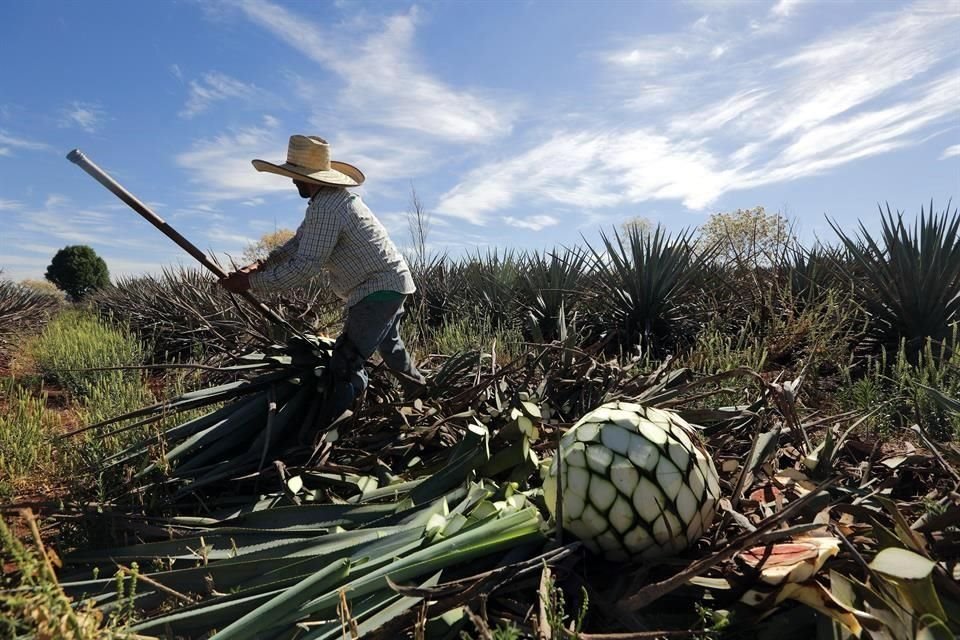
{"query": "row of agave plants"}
(638, 293)
(24, 307)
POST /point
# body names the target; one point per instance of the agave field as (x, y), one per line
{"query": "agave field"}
(653, 436)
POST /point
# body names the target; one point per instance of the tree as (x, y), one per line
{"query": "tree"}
(641, 224)
(747, 236)
(418, 221)
(78, 270)
(260, 249)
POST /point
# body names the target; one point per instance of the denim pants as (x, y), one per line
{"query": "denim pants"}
(372, 325)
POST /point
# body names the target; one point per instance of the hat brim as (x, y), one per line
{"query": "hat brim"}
(340, 174)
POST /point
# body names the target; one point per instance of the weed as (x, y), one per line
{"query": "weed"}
(32, 603)
(77, 340)
(26, 428)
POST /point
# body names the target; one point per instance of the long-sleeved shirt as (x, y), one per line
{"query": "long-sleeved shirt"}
(339, 234)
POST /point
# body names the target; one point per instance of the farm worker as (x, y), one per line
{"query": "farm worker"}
(339, 234)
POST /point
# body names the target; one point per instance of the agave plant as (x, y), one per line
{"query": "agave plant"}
(22, 307)
(185, 314)
(490, 281)
(811, 273)
(640, 281)
(548, 289)
(909, 279)
(438, 281)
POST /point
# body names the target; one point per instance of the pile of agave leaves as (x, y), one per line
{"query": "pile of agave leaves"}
(424, 517)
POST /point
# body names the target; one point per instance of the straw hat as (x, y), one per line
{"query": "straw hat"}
(308, 159)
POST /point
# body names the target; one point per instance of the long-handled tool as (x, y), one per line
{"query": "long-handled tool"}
(77, 157)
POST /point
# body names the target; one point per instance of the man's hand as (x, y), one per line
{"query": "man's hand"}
(237, 282)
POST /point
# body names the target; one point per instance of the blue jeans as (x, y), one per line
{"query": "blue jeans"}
(372, 325)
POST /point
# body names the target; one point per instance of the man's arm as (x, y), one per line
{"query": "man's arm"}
(316, 238)
(284, 251)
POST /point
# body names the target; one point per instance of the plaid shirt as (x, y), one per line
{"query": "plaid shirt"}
(340, 234)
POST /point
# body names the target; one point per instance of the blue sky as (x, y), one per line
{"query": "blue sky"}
(525, 124)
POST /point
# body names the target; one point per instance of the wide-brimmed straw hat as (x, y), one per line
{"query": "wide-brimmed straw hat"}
(308, 159)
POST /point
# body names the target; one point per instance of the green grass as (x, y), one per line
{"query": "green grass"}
(465, 334)
(77, 339)
(896, 381)
(26, 427)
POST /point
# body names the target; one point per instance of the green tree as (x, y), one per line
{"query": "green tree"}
(78, 270)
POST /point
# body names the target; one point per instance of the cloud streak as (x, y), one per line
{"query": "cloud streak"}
(385, 84)
(864, 90)
(86, 116)
(216, 87)
(10, 142)
(220, 166)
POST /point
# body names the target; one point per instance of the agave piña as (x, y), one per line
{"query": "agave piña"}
(636, 482)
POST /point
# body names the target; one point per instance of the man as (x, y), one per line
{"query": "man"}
(339, 234)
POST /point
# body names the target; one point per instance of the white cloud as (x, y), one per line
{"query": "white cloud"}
(385, 83)
(951, 152)
(652, 54)
(9, 205)
(214, 87)
(9, 142)
(220, 166)
(534, 223)
(590, 169)
(88, 117)
(862, 91)
(54, 200)
(382, 157)
(785, 8)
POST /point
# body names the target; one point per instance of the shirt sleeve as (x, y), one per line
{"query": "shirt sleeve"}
(287, 249)
(318, 235)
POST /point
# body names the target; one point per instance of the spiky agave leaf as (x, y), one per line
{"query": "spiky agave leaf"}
(267, 570)
(185, 314)
(641, 280)
(548, 289)
(908, 278)
(260, 418)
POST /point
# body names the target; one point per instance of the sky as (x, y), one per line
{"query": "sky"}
(527, 125)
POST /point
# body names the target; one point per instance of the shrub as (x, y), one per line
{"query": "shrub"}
(78, 270)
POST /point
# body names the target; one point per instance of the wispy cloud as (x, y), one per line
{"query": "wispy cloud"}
(534, 223)
(951, 152)
(385, 83)
(65, 220)
(220, 166)
(864, 90)
(84, 115)
(785, 8)
(9, 205)
(10, 142)
(214, 87)
(588, 170)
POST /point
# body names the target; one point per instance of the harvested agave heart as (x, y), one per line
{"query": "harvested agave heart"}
(636, 482)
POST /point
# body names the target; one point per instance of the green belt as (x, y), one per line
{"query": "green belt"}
(384, 296)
